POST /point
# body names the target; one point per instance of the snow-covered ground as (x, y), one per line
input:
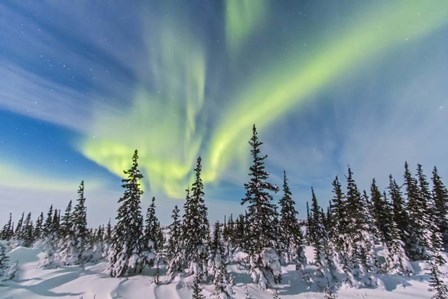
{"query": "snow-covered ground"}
(89, 283)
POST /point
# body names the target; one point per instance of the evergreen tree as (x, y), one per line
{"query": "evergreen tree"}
(152, 229)
(440, 195)
(66, 221)
(4, 264)
(323, 251)
(400, 215)
(8, 230)
(18, 232)
(56, 224)
(359, 248)
(436, 283)
(418, 215)
(38, 227)
(197, 291)
(125, 257)
(195, 228)
(50, 237)
(397, 259)
(174, 252)
(261, 213)
(308, 224)
(338, 219)
(317, 230)
(80, 231)
(290, 233)
(27, 233)
(382, 214)
(218, 267)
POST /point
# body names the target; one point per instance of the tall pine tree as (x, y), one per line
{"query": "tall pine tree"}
(291, 238)
(125, 257)
(261, 213)
(195, 227)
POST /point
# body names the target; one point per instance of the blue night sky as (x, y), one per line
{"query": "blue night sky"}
(328, 84)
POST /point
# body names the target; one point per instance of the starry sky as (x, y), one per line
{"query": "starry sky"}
(328, 84)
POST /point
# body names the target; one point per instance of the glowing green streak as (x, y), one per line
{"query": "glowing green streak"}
(273, 94)
(242, 16)
(25, 178)
(161, 124)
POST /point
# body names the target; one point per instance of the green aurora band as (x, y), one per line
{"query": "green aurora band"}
(166, 124)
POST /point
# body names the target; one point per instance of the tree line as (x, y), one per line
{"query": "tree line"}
(360, 235)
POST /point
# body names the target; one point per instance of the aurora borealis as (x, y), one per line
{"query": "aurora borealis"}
(327, 83)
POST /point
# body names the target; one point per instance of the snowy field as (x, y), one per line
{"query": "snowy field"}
(91, 283)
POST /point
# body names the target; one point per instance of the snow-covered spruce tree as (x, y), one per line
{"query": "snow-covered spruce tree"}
(261, 213)
(218, 267)
(195, 228)
(440, 195)
(240, 234)
(7, 231)
(75, 246)
(317, 230)
(382, 215)
(80, 231)
(67, 236)
(197, 291)
(127, 246)
(291, 238)
(107, 239)
(323, 251)
(436, 282)
(152, 233)
(400, 215)
(417, 207)
(27, 233)
(50, 238)
(38, 228)
(66, 223)
(174, 252)
(18, 230)
(360, 246)
(338, 218)
(4, 264)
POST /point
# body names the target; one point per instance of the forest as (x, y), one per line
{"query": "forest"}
(357, 237)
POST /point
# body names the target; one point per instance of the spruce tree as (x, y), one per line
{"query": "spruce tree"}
(125, 257)
(152, 229)
(339, 218)
(436, 283)
(261, 213)
(4, 264)
(197, 291)
(66, 220)
(18, 232)
(400, 215)
(27, 233)
(174, 252)
(359, 247)
(291, 237)
(418, 215)
(50, 237)
(8, 229)
(79, 228)
(195, 227)
(440, 194)
(382, 214)
(317, 230)
(38, 227)
(221, 278)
